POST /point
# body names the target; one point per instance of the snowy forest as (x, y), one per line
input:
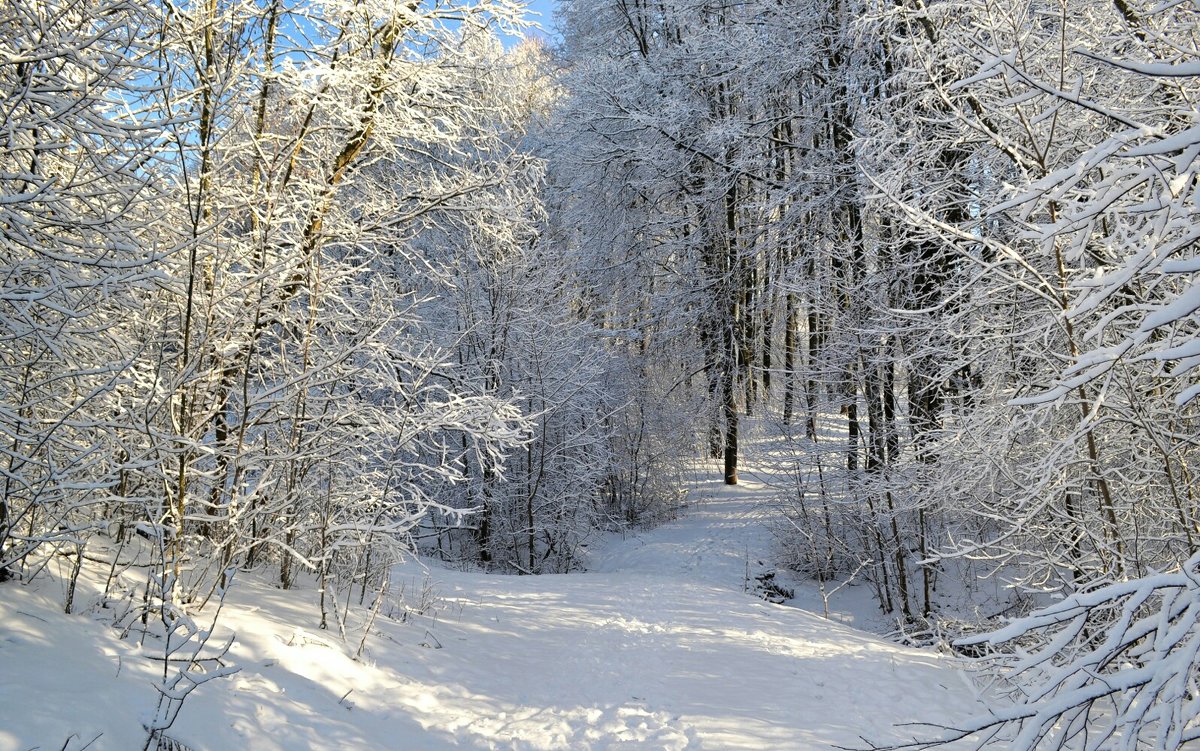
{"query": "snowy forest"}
(298, 290)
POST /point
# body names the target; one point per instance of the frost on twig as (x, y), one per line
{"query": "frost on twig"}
(187, 664)
(1114, 668)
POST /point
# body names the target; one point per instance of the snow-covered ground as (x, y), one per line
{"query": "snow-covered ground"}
(657, 646)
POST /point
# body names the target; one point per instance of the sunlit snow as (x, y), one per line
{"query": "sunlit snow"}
(658, 646)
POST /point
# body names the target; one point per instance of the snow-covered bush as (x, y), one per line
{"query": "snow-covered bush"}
(1111, 669)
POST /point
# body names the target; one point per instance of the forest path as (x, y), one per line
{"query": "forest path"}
(722, 538)
(663, 644)
(669, 624)
(658, 646)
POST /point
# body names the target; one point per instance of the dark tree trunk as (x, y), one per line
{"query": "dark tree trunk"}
(789, 358)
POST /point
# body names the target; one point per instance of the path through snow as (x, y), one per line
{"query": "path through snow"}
(658, 646)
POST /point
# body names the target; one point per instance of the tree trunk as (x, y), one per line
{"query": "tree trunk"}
(789, 358)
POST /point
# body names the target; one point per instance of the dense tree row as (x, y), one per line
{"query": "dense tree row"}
(951, 247)
(963, 230)
(302, 287)
(279, 290)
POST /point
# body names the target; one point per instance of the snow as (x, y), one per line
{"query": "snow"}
(657, 646)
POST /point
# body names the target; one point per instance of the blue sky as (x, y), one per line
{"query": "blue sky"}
(546, 19)
(546, 8)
